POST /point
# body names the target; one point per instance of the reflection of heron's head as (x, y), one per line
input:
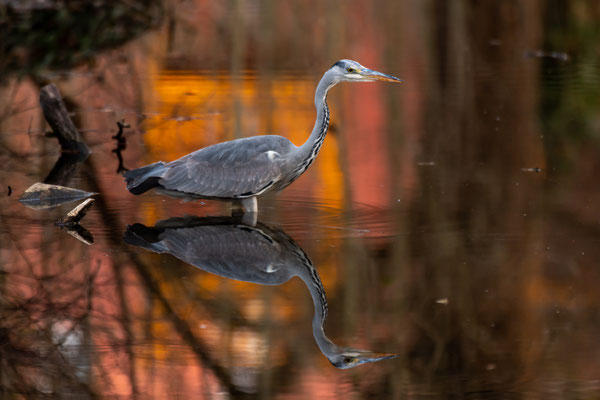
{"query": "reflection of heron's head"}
(351, 71)
(350, 358)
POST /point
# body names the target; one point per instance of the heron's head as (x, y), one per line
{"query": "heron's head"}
(350, 358)
(351, 71)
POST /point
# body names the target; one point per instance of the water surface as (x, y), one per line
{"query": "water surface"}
(451, 220)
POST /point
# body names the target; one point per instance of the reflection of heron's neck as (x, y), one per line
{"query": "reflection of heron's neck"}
(309, 150)
(311, 278)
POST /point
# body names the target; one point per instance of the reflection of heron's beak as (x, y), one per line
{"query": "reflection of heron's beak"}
(379, 76)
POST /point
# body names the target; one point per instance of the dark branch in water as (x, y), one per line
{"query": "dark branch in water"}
(119, 136)
(74, 149)
(121, 145)
(63, 127)
(64, 169)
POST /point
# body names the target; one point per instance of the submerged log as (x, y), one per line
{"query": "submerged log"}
(76, 214)
(57, 116)
(41, 195)
(70, 222)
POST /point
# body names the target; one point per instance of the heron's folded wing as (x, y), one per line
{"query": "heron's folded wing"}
(227, 176)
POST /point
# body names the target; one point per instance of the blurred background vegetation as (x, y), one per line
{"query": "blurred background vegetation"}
(42, 36)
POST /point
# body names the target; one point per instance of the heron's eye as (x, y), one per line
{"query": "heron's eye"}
(348, 360)
(350, 70)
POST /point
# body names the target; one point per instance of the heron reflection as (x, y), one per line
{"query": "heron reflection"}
(260, 254)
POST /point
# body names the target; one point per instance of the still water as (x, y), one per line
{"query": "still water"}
(451, 221)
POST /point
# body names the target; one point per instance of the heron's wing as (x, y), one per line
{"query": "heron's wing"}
(236, 169)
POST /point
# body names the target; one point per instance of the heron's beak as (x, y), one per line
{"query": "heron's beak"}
(368, 357)
(379, 76)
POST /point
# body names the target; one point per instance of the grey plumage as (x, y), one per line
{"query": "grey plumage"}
(249, 167)
(259, 254)
(230, 170)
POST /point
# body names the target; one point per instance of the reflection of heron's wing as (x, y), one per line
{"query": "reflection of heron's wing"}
(236, 169)
(233, 251)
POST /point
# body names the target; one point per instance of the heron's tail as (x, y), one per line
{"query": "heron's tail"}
(145, 178)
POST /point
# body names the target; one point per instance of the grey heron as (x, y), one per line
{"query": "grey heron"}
(260, 254)
(241, 170)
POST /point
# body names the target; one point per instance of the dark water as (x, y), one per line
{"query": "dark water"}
(451, 220)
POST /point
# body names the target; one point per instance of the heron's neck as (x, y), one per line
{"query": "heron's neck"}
(311, 278)
(309, 150)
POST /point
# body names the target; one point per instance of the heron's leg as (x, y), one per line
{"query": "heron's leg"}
(250, 219)
(250, 204)
(246, 208)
